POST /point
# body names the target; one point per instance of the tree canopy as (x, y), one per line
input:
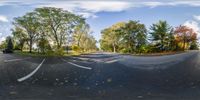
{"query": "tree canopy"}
(133, 37)
(50, 28)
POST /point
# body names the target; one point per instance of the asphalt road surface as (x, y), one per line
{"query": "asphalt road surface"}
(100, 76)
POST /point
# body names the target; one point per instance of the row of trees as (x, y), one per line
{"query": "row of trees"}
(133, 37)
(52, 29)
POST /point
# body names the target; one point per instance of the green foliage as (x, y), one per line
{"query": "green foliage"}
(194, 46)
(132, 37)
(111, 37)
(59, 52)
(124, 37)
(160, 33)
(135, 35)
(59, 23)
(83, 39)
(3, 45)
(44, 45)
(76, 48)
(29, 22)
(9, 43)
(19, 37)
(51, 29)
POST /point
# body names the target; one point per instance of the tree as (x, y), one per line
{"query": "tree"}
(126, 37)
(172, 44)
(43, 45)
(48, 27)
(194, 45)
(60, 23)
(111, 37)
(79, 31)
(28, 22)
(19, 36)
(83, 39)
(185, 35)
(160, 33)
(134, 36)
(9, 43)
(3, 44)
(88, 42)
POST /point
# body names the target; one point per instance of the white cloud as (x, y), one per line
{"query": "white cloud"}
(194, 25)
(197, 17)
(89, 8)
(109, 6)
(87, 15)
(153, 4)
(3, 18)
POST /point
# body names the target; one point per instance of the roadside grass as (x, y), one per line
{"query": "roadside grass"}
(36, 54)
(50, 54)
(159, 53)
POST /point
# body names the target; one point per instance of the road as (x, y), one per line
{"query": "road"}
(100, 76)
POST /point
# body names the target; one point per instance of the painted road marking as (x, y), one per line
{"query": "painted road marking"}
(32, 73)
(11, 60)
(111, 61)
(89, 68)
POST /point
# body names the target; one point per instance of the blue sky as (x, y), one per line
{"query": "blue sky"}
(101, 14)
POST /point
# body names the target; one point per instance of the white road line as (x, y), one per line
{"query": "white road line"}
(32, 73)
(11, 60)
(111, 61)
(89, 68)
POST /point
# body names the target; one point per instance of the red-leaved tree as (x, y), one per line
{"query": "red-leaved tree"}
(185, 35)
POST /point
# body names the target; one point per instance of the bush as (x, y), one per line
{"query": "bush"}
(194, 46)
(76, 48)
(59, 52)
(9, 43)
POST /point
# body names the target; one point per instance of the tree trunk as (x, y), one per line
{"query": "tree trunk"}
(58, 45)
(30, 46)
(67, 49)
(162, 45)
(114, 48)
(184, 44)
(21, 48)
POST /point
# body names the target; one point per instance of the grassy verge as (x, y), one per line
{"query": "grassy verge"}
(36, 54)
(158, 54)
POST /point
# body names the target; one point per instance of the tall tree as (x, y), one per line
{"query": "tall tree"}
(29, 22)
(159, 34)
(88, 42)
(185, 35)
(111, 37)
(134, 35)
(19, 36)
(172, 44)
(9, 43)
(3, 44)
(125, 37)
(79, 31)
(60, 23)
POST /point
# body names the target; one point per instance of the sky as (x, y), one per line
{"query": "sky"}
(101, 14)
